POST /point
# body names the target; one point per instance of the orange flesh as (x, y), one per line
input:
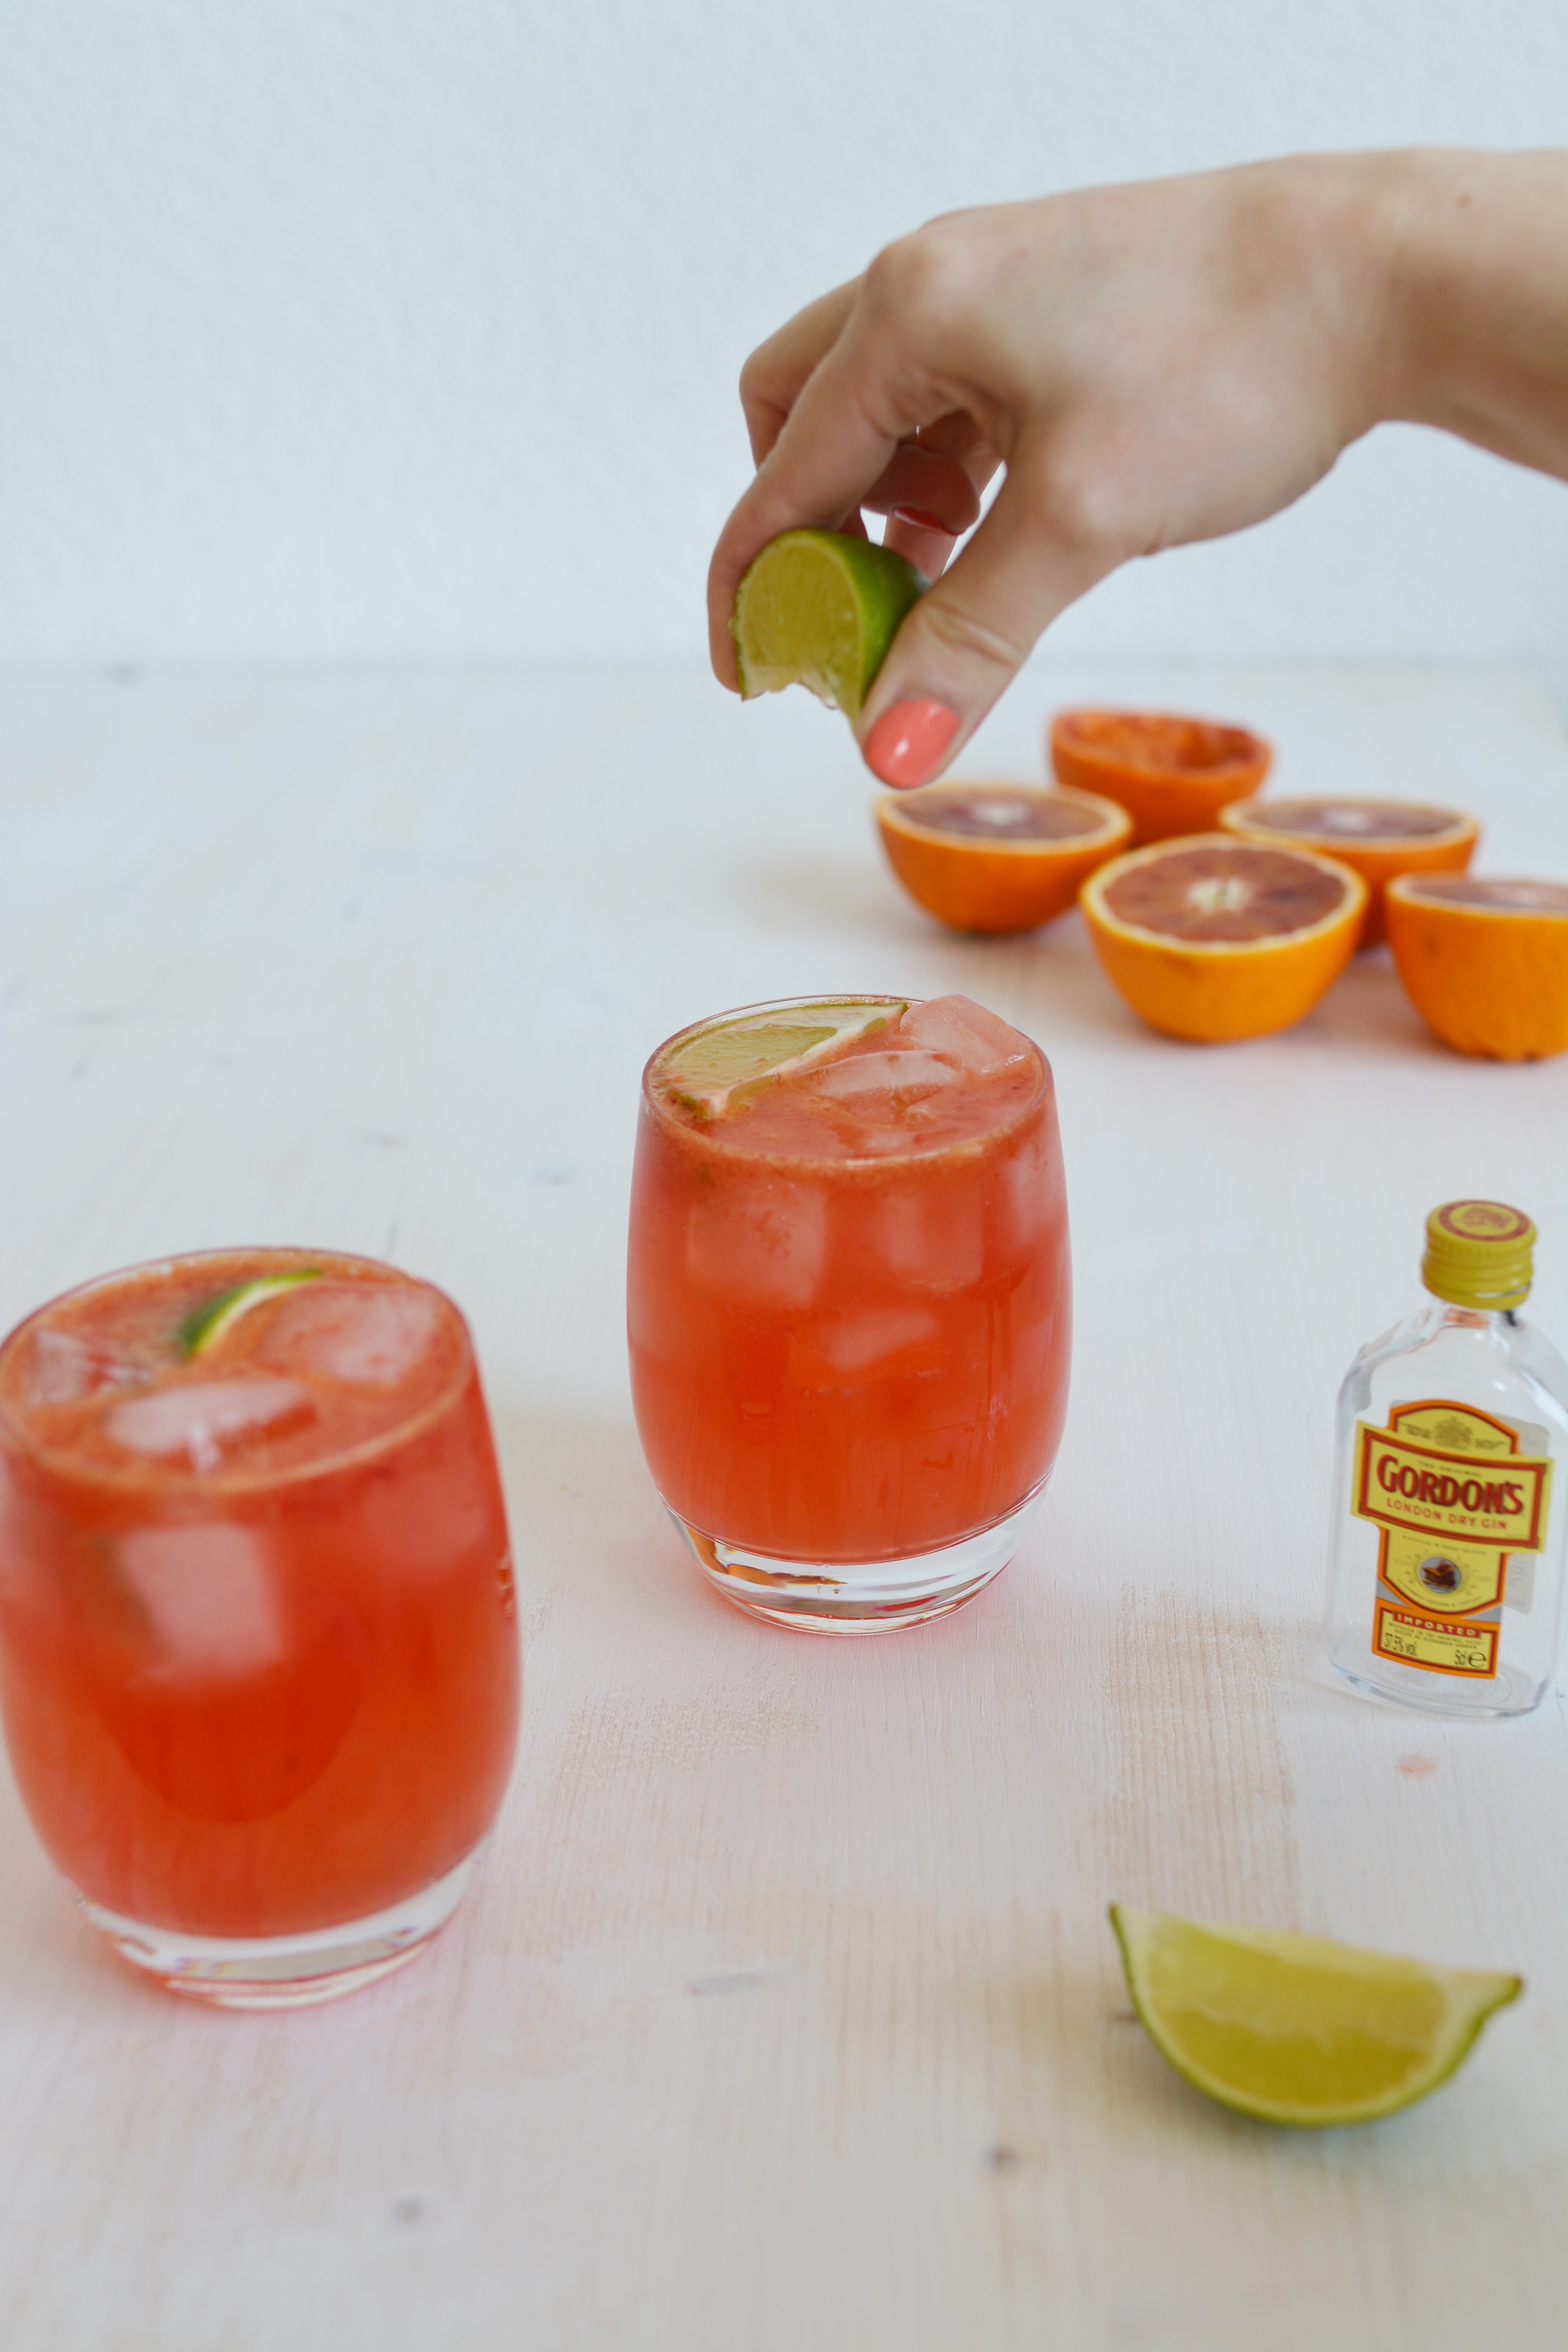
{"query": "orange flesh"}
(1216, 894)
(1181, 745)
(986, 813)
(1353, 821)
(1520, 897)
(841, 1356)
(277, 1695)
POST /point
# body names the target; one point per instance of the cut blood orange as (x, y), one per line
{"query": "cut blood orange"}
(1484, 962)
(1172, 775)
(997, 858)
(1378, 838)
(1214, 939)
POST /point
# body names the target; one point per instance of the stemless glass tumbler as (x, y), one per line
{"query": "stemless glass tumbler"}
(258, 1661)
(850, 1302)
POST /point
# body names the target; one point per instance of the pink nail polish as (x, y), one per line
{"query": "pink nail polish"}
(907, 743)
(922, 520)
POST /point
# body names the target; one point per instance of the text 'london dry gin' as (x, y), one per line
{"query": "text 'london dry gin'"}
(1450, 1486)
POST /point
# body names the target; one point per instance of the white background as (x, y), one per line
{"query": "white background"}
(379, 330)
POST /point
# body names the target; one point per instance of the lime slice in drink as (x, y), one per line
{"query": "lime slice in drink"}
(705, 1069)
(1294, 2030)
(202, 1329)
(819, 610)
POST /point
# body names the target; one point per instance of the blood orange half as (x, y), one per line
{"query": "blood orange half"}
(1172, 775)
(1214, 939)
(1484, 961)
(1377, 838)
(997, 858)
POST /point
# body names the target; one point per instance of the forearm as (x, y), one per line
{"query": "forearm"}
(1473, 249)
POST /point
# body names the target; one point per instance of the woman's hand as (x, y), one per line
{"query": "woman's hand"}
(1151, 365)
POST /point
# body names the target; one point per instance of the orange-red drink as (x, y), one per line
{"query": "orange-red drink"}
(257, 1658)
(849, 1301)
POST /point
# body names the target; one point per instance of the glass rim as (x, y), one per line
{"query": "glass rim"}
(961, 1147)
(185, 1485)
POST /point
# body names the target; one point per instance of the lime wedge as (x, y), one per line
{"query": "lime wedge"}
(705, 1070)
(1296, 2031)
(204, 1325)
(819, 610)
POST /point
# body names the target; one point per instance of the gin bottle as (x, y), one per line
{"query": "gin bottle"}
(1450, 1497)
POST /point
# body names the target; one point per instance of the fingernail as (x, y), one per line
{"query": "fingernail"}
(922, 520)
(907, 743)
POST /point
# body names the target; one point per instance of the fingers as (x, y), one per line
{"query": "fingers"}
(917, 529)
(968, 636)
(870, 393)
(926, 549)
(830, 450)
(775, 376)
(845, 409)
(930, 502)
(933, 490)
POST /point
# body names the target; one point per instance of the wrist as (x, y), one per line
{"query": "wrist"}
(1324, 235)
(1471, 253)
(1357, 213)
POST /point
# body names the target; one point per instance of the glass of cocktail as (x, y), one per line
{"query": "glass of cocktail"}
(258, 1661)
(850, 1302)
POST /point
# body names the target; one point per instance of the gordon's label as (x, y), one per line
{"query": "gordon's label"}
(1404, 1482)
(1447, 1579)
(1452, 1497)
(1416, 1640)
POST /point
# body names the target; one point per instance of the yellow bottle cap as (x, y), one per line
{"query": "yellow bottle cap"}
(1479, 1255)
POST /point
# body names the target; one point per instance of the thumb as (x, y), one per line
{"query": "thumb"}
(968, 636)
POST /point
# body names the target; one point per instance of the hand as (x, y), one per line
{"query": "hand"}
(1151, 366)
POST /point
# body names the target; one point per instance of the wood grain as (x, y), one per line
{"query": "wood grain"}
(785, 2015)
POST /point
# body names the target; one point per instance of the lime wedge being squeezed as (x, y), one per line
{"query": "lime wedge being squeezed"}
(820, 610)
(1293, 2030)
(702, 1070)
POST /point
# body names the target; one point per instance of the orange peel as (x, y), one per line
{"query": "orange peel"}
(1484, 961)
(997, 858)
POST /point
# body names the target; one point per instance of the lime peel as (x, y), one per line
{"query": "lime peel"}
(705, 1071)
(1296, 2030)
(818, 609)
(205, 1325)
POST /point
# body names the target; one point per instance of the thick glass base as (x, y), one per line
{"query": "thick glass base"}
(288, 1971)
(874, 1596)
(1459, 1699)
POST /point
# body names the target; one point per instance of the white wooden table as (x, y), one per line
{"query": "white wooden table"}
(786, 2018)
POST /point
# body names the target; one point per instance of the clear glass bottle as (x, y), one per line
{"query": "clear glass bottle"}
(1451, 1496)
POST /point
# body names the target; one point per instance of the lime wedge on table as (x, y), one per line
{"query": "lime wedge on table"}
(1294, 2030)
(704, 1070)
(205, 1325)
(819, 610)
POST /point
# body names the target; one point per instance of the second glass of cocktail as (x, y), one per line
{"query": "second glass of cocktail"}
(258, 1661)
(850, 1302)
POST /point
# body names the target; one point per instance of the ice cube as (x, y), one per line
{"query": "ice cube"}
(207, 1418)
(882, 1086)
(855, 1343)
(759, 1245)
(926, 1243)
(367, 1335)
(978, 1041)
(210, 1597)
(68, 1365)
